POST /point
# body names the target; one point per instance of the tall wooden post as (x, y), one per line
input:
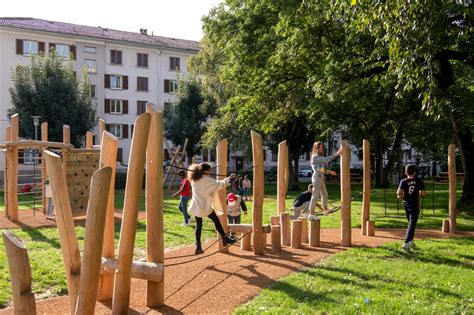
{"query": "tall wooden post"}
(366, 187)
(44, 173)
(65, 222)
(13, 178)
(6, 172)
(108, 158)
(221, 152)
(282, 172)
(121, 299)
(179, 163)
(154, 204)
(101, 129)
(89, 140)
(346, 240)
(20, 274)
(93, 240)
(66, 140)
(258, 188)
(172, 162)
(452, 187)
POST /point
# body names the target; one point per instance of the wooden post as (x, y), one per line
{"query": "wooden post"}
(108, 158)
(276, 241)
(285, 229)
(275, 220)
(66, 140)
(44, 173)
(370, 228)
(170, 168)
(20, 274)
(179, 163)
(93, 240)
(304, 230)
(89, 140)
(296, 234)
(258, 187)
(101, 129)
(452, 187)
(13, 178)
(366, 187)
(6, 172)
(282, 186)
(346, 195)
(121, 299)
(445, 227)
(221, 158)
(65, 222)
(155, 291)
(246, 242)
(314, 233)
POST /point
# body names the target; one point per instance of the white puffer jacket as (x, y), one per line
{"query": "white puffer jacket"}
(205, 197)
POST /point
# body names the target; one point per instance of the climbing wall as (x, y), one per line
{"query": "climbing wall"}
(80, 167)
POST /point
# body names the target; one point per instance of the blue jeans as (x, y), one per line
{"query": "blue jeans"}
(183, 207)
(49, 211)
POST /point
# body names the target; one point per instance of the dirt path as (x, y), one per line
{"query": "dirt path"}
(216, 283)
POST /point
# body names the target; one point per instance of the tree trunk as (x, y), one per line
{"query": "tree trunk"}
(394, 156)
(293, 180)
(378, 165)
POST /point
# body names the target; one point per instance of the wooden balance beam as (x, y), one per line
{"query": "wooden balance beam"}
(140, 269)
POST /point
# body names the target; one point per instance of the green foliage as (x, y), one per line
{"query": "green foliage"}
(50, 89)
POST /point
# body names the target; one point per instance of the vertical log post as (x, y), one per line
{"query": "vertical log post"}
(13, 178)
(285, 229)
(66, 140)
(258, 187)
(65, 222)
(275, 220)
(445, 226)
(304, 230)
(155, 291)
(44, 173)
(170, 168)
(89, 140)
(20, 274)
(346, 195)
(6, 172)
(296, 234)
(282, 187)
(314, 233)
(101, 129)
(246, 242)
(452, 187)
(121, 299)
(276, 241)
(221, 156)
(108, 158)
(93, 240)
(366, 187)
(370, 228)
(179, 163)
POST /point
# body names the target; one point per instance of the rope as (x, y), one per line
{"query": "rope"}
(337, 208)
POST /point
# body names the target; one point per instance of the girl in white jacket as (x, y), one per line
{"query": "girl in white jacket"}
(203, 199)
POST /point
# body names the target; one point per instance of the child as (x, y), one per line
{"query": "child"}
(184, 193)
(319, 162)
(48, 194)
(301, 203)
(409, 190)
(204, 195)
(234, 204)
(246, 185)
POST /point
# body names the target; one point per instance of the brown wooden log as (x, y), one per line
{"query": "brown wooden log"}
(179, 163)
(285, 229)
(140, 270)
(66, 141)
(296, 234)
(282, 182)
(65, 223)
(108, 158)
(246, 241)
(20, 274)
(276, 238)
(93, 240)
(304, 230)
(171, 169)
(44, 173)
(121, 299)
(6, 172)
(258, 188)
(221, 158)
(32, 144)
(314, 233)
(445, 226)
(367, 186)
(89, 140)
(346, 195)
(370, 228)
(13, 178)
(452, 188)
(101, 129)
(275, 220)
(154, 205)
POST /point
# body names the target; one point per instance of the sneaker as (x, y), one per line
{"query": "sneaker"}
(327, 211)
(406, 247)
(184, 224)
(227, 240)
(412, 244)
(190, 220)
(313, 217)
(198, 250)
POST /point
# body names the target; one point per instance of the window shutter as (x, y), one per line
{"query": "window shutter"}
(107, 81)
(107, 127)
(139, 84)
(167, 86)
(139, 60)
(52, 46)
(131, 130)
(107, 106)
(145, 84)
(21, 157)
(112, 56)
(145, 60)
(125, 131)
(19, 47)
(72, 50)
(41, 46)
(176, 64)
(119, 155)
(125, 82)
(125, 107)
(119, 57)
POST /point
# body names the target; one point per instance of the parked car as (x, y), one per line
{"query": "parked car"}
(305, 172)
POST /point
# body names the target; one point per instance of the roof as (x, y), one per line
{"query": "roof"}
(98, 32)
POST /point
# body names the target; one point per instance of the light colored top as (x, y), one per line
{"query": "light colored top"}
(205, 198)
(48, 193)
(246, 183)
(319, 164)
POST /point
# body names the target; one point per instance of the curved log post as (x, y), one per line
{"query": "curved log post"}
(13, 178)
(121, 299)
(367, 186)
(282, 171)
(452, 187)
(221, 158)
(258, 187)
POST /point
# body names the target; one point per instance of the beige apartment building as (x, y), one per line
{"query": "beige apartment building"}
(125, 69)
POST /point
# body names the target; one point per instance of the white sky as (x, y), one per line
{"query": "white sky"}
(170, 18)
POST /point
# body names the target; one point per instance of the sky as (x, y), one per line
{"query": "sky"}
(170, 18)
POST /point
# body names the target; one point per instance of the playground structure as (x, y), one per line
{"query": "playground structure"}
(101, 276)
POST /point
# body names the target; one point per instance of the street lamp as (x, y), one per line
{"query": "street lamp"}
(36, 120)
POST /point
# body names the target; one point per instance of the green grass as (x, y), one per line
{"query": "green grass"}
(48, 269)
(437, 279)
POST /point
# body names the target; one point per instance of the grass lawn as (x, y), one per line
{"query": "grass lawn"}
(48, 269)
(437, 279)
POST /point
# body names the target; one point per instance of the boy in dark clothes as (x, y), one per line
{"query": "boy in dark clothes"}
(409, 190)
(301, 203)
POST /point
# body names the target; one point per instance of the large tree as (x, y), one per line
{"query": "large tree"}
(49, 88)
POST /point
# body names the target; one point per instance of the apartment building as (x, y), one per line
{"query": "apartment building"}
(125, 69)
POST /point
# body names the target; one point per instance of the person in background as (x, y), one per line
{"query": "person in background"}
(234, 205)
(301, 203)
(246, 185)
(184, 193)
(49, 194)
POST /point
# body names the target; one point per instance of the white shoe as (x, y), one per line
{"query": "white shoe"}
(184, 224)
(313, 217)
(326, 211)
(190, 220)
(406, 247)
(412, 245)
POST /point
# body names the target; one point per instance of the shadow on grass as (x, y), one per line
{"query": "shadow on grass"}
(38, 236)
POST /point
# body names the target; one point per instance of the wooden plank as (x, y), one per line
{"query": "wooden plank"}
(221, 158)
(367, 186)
(452, 188)
(282, 181)
(346, 195)
(258, 189)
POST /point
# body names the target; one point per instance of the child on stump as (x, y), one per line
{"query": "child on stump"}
(203, 198)
(409, 190)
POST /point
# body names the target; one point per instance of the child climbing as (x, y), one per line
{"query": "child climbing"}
(184, 193)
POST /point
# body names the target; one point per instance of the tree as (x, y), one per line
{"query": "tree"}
(186, 117)
(50, 89)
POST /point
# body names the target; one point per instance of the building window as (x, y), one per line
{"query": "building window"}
(116, 57)
(171, 86)
(142, 60)
(141, 107)
(116, 130)
(142, 84)
(116, 82)
(30, 47)
(91, 65)
(93, 91)
(90, 49)
(116, 106)
(62, 50)
(174, 63)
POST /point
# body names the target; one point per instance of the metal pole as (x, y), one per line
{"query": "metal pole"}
(385, 201)
(432, 193)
